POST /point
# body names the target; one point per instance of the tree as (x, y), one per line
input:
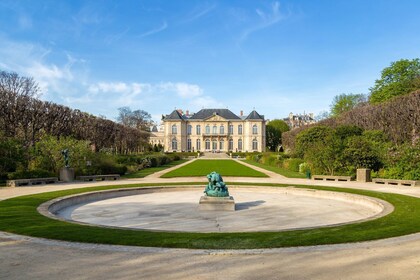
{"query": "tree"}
(400, 78)
(274, 130)
(138, 119)
(346, 102)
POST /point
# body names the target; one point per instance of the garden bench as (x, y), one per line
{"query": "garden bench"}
(331, 178)
(31, 182)
(98, 177)
(396, 182)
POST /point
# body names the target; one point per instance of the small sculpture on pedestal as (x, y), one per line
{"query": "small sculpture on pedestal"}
(217, 196)
(66, 173)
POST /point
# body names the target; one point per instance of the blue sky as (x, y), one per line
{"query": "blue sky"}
(274, 56)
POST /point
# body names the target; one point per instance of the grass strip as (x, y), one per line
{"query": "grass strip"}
(147, 171)
(19, 215)
(282, 171)
(202, 167)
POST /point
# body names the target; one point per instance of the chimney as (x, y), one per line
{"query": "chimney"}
(187, 112)
(241, 113)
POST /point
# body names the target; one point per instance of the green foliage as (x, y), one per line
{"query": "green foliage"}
(403, 162)
(344, 131)
(274, 130)
(36, 173)
(346, 102)
(292, 164)
(342, 150)
(306, 138)
(47, 154)
(400, 78)
(360, 153)
(11, 155)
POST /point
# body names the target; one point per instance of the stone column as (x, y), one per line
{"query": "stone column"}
(363, 175)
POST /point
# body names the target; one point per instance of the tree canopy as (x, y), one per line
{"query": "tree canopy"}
(346, 102)
(400, 78)
(274, 129)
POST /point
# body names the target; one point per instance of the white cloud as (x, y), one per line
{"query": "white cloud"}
(67, 81)
(266, 19)
(183, 90)
(162, 27)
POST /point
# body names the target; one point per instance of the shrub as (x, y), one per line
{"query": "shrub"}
(36, 173)
(292, 164)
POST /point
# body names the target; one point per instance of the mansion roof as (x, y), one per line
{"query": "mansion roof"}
(207, 113)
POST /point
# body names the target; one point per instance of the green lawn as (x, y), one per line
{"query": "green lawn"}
(147, 171)
(282, 171)
(202, 167)
(20, 216)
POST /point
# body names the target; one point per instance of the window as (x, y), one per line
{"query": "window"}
(207, 144)
(189, 129)
(230, 145)
(214, 129)
(214, 145)
(222, 129)
(174, 130)
(188, 144)
(254, 129)
(174, 144)
(207, 129)
(255, 144)
(231, 129)
(240, 129)
(240, 144)
(198, 129)
(221, 145)
(198, 145)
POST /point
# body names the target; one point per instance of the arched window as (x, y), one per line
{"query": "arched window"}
(214, 145)
(255, 144)
(189, 129)
(198, 145)
(222, 145)
(174, 144)
(207, 129)
(231, 129)
(198, 129)
(174, 130)
(207, 144)
(240, 130)
(222, 129)
(240, 144)
(214, 129)
(230, 144)
(254, 129)
(188, 145)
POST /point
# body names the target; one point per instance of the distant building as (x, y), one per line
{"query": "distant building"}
(295, 121)
(217, 130)
(156, 135)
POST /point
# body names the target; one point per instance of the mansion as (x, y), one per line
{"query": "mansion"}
(211, 130)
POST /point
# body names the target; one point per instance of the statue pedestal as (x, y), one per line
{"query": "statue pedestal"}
(209, 203)
(67, 174)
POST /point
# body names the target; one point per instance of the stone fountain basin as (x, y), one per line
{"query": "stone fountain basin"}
(176, 209)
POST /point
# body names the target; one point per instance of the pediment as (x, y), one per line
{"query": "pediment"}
(215, 118)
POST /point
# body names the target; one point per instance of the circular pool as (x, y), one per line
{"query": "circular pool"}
(257, 209)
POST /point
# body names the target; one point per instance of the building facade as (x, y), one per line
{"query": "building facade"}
(298, 120)
(213, 130)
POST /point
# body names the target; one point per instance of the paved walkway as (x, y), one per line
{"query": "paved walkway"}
(35, 258)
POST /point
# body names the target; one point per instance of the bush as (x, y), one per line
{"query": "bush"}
(303, 168)
(292, 164)
(36, 173)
